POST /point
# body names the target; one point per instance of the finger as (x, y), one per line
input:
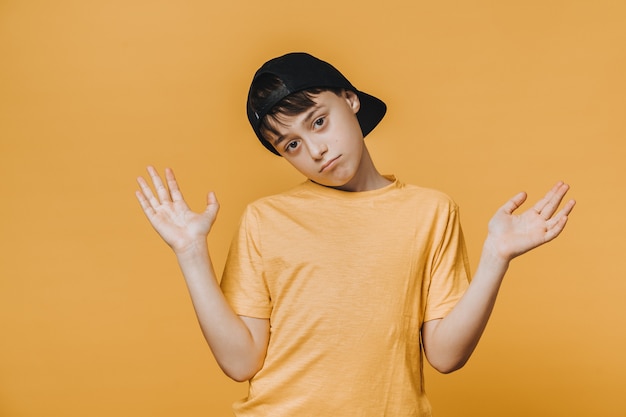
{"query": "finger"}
(161, 190)
(564, 212)
(557, 223)
(211, 199)
(513, 204)
(556, 228)
(213, 205)
(568, 207)
(145, 204)
(147, 194)
(553, 204)
(539, 205)
(548, 205)
(172, 184)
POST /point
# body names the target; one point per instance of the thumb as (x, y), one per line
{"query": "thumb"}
(513, 204)
(213, 205)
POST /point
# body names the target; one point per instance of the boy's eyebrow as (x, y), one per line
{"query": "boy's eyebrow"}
(277, 141)
(306, 120)
(309, 116)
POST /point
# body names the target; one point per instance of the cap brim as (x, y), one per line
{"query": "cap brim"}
(371, 112)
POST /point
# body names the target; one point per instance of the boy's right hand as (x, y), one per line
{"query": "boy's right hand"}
(169, 214)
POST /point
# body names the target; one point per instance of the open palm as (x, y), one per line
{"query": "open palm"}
(169, 214)
(514, 235)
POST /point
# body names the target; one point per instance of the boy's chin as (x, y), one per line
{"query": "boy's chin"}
(330, 184)
(342, 186)
(325, 183)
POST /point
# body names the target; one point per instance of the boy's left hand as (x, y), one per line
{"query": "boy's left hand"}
(511, 235)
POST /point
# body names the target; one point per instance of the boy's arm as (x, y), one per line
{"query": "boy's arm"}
(449, 342)
(238, 343)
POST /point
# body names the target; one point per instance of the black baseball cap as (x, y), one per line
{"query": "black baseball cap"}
(300, 71)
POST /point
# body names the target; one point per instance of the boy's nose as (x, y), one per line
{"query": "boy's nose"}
(317, 150)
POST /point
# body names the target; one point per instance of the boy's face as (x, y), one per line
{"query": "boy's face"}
(324, 143)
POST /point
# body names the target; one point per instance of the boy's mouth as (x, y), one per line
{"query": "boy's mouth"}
(329, 164)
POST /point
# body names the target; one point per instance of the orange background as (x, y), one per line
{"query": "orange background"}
(485, 99)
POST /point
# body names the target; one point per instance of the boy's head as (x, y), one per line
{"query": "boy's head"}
(288, 84)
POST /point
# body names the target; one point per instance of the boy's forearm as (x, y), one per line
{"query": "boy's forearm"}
(449, 342)
(230, 340)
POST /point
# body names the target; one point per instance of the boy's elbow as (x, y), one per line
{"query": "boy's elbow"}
(240, 372)
(447, 369)
(448, 366)
(239, 377)
(442, 354)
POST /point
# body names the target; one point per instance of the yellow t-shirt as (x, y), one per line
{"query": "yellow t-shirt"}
(346, 280)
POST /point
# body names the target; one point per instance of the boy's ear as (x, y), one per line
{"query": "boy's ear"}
(353, 100)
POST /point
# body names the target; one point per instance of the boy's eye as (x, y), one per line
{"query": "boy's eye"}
(292, 145)
(319, 122)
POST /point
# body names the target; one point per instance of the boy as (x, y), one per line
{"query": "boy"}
(332, 289)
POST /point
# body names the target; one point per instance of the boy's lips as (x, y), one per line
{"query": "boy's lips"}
(329, 163)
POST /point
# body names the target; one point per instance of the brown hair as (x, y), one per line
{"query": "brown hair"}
(294, 104)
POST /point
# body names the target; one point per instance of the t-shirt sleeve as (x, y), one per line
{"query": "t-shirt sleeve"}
(243, 281)
(450, 272)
